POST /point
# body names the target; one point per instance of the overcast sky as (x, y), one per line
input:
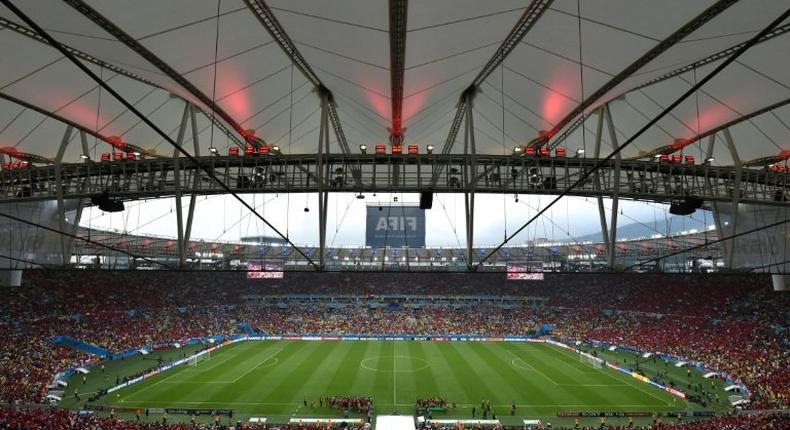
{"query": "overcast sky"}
(223, 218)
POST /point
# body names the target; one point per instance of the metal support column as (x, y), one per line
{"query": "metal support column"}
(709, 150)
(470, 151)
(177, 181)
(196, 182)
(597, 180)
(725, 246)
(84, 142)
(610, 255)
(323, 175)
(736, 197)
(75, 225)
(64, 143)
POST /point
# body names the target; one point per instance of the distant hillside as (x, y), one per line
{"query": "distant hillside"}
(646, 228)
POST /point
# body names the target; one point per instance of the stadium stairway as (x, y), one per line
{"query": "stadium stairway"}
(80, 346)
(545, 329)
(247, 329)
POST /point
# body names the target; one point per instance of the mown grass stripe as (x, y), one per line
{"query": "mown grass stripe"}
(333, 362)
(252, 387)
(476, 386)
(526, 383)
(420, 383)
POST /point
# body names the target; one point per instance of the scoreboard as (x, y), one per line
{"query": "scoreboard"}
(527, 271)
(260, 270)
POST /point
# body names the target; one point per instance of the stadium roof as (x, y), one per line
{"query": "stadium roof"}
(417, 57)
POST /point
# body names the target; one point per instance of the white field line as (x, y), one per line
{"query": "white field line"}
(279, 350)
(593, 385)
(528, 366)
(533, 367)
(273, 363)
(394, 376)
(574, 368)
(199, 369)
(542, 405)
(627, 380)
(215, 403)
(152, 385)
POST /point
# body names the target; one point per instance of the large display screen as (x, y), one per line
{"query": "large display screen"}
(395, 226)
(530, 271)
(261, 270)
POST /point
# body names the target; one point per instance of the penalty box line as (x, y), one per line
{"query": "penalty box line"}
(279, 350)
(628, 381)
(217, 362)
(176, 372)
(189, 381)
(202, 371)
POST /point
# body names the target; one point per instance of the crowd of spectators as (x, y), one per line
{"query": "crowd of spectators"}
(425, 407)
(61, 419)
(747, 338)
(735, 324)
(359, 404)
(431, 402)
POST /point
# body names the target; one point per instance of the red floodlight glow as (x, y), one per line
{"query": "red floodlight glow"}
(116, 142)
(248, 135)
(679, 144)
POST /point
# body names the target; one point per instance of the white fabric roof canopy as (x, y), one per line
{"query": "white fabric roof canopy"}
(346, 43)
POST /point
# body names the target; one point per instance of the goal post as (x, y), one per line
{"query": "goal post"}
(195, 359)
(589, 359)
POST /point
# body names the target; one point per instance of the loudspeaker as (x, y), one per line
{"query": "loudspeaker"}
(426, 200)
(107, 204)
(686, 207)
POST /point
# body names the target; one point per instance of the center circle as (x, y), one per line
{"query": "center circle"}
(394, 363)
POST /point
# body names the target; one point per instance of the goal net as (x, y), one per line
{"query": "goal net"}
(194, 360)
(589, 359)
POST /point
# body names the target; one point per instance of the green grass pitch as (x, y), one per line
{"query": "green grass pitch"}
(273, 379)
